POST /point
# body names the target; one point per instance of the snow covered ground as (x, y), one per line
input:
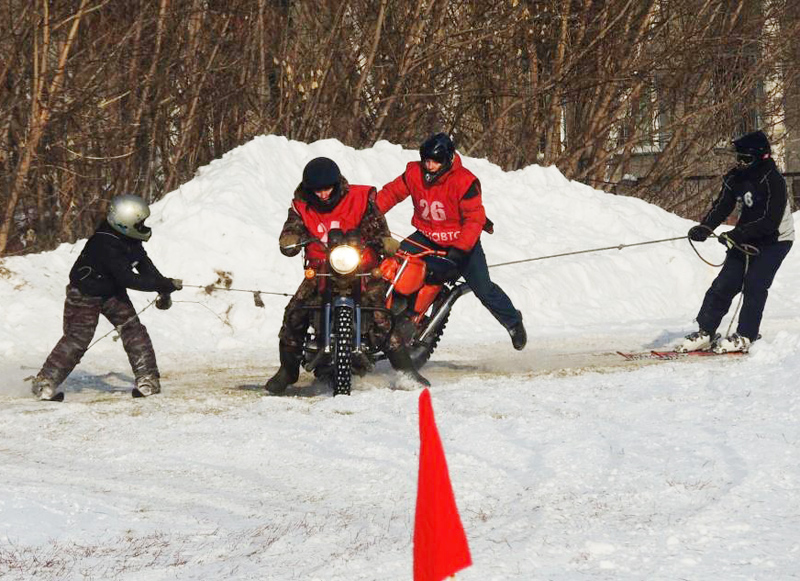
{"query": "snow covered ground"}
(567, 462)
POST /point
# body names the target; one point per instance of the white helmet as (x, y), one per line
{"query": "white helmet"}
(126, 215)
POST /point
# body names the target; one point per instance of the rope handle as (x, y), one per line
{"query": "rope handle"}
(747, 249)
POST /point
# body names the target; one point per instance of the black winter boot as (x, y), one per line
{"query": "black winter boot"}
(519, 337)
(288, 372)
(401, 361)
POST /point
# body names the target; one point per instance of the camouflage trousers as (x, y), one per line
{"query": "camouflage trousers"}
(81, 314)
(296, 322)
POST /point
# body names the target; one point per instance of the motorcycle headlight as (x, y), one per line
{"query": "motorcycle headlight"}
(344, 259)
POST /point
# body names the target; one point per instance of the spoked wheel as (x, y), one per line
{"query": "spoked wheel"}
(342, 376)
(421, 350)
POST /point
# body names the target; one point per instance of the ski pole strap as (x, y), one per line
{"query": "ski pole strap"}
(617, 247)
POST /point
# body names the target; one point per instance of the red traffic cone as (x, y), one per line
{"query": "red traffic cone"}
(440, 544)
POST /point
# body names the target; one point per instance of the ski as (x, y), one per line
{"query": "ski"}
(673, 355)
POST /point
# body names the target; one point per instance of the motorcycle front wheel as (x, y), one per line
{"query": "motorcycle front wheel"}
(342, 356)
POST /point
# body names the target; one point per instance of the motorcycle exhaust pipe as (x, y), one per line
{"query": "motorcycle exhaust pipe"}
(456, 293)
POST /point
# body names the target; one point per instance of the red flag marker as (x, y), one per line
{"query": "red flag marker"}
(440, 544)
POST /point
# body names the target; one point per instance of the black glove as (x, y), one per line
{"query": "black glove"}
(448, 268)
(440, 276)
(699, 233)
(163, 301)
(456, 256)
(729, 239)
(169, 285)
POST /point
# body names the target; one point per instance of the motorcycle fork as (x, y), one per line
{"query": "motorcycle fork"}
(355, 304)
(330, 306)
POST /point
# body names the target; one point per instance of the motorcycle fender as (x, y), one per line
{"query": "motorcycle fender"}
(425, 297)
(344, 302)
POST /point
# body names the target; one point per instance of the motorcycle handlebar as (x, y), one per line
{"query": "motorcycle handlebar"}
(423, 253)
(299, 244)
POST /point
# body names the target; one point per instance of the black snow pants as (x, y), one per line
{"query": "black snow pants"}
(753, 280)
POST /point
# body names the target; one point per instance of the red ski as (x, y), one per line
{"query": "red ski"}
(671, 355)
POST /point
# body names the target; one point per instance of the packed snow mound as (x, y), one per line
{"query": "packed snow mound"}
(222, 226)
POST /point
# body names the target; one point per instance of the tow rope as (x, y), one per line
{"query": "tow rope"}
(257, 300)
(746, 249)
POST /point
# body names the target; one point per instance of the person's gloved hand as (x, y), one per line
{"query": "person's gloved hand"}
(163, 301)
(448, 268)
(288, 240)
(390, 245)
(726, 240)
(440, 276)
(456, 256)
(289, 244)
(699, 233)
(168, 285)
(731, 238)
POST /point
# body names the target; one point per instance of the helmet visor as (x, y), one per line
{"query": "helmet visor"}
(142, 229)
(438, 155)
(744, 159)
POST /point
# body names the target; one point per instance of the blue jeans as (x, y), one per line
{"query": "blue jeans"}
(753, 280)
(476, 272)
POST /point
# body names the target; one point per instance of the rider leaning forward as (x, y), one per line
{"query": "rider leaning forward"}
(449, 215)
(323, 201)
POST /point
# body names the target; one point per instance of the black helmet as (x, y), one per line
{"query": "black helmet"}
(319, 174)
(751, 148)
(439, 148)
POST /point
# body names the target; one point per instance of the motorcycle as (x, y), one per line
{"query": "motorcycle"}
(341, 340)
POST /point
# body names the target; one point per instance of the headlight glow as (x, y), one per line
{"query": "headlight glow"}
(344, 259)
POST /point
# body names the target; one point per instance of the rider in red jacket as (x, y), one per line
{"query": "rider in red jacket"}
(322, 202)
(449, 215)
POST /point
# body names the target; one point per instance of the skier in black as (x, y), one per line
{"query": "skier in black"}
(98, 283)
(765, 223)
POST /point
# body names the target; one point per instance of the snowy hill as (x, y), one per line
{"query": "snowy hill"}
(567, 463)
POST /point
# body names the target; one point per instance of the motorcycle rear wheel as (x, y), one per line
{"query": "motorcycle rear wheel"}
(421, 351)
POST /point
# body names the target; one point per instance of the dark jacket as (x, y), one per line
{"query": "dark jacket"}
(105, 266)
(766, 209)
